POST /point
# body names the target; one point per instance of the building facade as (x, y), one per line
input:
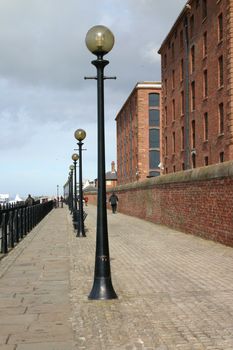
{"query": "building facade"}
(197, 80)
(138, 134)
(111, 176)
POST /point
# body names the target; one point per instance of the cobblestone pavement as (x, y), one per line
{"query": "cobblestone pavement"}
(175, 290)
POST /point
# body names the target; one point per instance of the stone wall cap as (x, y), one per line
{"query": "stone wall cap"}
(210, 172)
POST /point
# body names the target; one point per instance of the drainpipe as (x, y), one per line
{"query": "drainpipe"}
(187, 94)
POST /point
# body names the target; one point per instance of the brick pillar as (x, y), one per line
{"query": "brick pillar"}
(230, 77)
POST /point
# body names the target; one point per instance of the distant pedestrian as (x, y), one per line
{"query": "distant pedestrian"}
(55, 203)
(113, 199)
(86, 200)
(29, 201)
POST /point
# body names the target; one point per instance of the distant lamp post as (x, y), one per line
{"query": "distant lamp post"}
(57, 203)
(75, 158)
(80, 135)
(100, 41)
(71, 188)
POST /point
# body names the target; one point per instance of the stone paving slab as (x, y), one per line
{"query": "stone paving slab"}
(35, 308)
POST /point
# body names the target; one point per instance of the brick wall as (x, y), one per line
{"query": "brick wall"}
(197, 201)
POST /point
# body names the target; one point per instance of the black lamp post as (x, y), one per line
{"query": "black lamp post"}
(80, 135)
(75, 157)
(100, 41)
(71, 188)
(57, 195)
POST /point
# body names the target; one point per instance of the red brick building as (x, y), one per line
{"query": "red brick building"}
(197, 80)
(138, 134)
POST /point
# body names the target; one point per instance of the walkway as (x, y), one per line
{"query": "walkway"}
(175, 290)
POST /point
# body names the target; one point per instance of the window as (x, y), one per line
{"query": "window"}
(154, 100)
(174, 168)
(221, 157)
(165, 112)
(173, 51)
(204, 9)
(182, 165)
(165, 87)
(154, 159)
(220, 71)
(154, 117)
(194, 160)
(165, 60)
(206, 160)
(191, 26)
(182, 138)
(154, 138)
(173, 110)
(193, 134)
(193, 95)
(206, 126)
(221, 118)
(220, 27)
(154, 173)
(181, 40)
(192, 59)
(182, 102)
(205, 44)
(182, 70)
(205, 83)
(173, 79)
(173, 142)
(165, 145)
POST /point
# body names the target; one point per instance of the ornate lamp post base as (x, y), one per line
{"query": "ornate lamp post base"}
(102, 289)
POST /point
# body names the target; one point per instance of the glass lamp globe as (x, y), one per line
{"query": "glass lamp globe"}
(75, 156)
(80, 134)
(99, 40)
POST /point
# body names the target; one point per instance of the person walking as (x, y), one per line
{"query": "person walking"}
(29, 201)
(113, 201)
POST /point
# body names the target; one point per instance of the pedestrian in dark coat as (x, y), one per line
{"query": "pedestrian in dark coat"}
(29, 201)
(113, 201)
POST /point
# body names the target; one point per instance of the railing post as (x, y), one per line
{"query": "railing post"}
(27, 219)
(20, 223)
(24, 222)
(16, 225)
(11, 232)
(4, 234)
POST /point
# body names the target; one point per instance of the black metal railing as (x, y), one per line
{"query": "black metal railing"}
(16, 222)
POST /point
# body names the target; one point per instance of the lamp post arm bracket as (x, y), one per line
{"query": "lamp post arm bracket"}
(110, 78)
(87, 78)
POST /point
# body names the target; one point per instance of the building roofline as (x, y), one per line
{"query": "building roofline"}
(141, 85)
(184, 10)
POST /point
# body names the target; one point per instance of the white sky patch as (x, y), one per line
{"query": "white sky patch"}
(150, 54)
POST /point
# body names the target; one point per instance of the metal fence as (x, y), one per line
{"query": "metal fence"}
(17, 221)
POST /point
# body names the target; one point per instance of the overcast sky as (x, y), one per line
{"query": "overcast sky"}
(43, 95)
